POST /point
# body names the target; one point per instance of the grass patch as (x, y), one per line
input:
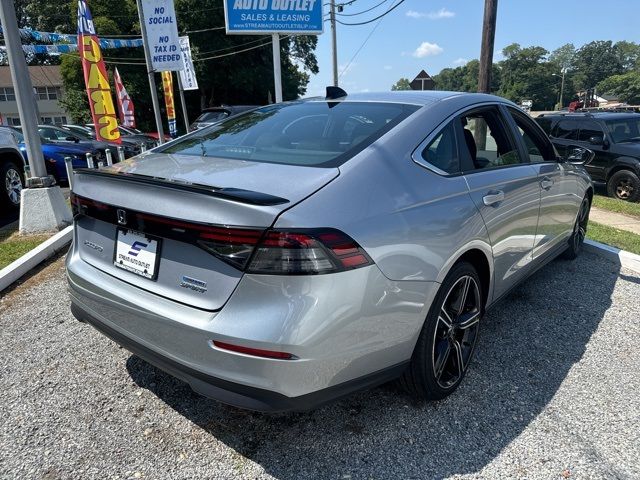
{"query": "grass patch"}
(612, 236)
(13, 245)
(618, 206)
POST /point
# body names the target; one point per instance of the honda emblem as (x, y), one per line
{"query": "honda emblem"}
(122, 217)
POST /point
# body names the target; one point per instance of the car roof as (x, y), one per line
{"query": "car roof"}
(415, 97)
(596, 115)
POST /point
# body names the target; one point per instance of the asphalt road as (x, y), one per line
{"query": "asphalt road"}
(552, 393)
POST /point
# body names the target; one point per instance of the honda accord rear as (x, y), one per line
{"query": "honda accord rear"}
(289, 255)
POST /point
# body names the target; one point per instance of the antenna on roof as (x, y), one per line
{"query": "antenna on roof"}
(334, 93)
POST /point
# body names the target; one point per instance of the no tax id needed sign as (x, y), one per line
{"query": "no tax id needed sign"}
(162, 35)
(273, 16)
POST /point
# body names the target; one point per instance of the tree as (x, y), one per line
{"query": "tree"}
(526, 75)
(629, 54)
(625, 86)
(564, 57)
(402, 84)
(596, 61)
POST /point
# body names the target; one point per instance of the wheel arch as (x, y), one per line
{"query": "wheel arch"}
(480, 255)
(624, 163)
(8, 154)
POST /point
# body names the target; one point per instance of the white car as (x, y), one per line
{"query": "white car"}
(11, 171)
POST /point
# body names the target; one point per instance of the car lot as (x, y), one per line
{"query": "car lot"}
(552, 393)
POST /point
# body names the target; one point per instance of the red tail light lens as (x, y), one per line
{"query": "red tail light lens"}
(307, 252)
(256, 352)
(233, 245)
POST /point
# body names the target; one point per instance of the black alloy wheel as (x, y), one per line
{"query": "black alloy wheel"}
(447, 341)
(576, 241)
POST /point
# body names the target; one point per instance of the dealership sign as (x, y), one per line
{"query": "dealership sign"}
(162, 35)
(273, 16)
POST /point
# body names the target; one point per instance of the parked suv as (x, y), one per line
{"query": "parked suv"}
(11, 168)
(615, 139)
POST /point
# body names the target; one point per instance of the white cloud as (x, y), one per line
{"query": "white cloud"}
(440, 14)
(388, 67)
(460, 61)
(427, 49)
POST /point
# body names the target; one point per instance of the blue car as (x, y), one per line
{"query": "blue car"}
(55, 153)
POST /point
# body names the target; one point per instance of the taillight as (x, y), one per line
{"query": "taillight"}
(256, 352)
(233, 245)
(307, 252)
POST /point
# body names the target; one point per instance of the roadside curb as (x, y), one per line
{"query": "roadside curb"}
(15, 270)
(626, 259)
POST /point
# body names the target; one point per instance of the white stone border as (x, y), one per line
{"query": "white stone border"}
(14, 271)
(626, 259)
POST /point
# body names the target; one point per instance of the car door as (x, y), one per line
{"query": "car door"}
(558, 203)
(505, 190)
(597, 168)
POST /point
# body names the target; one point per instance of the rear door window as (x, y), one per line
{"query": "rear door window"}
(566, 128)
(589, 129)
(442, 151)
(487, 142)
(536, 144)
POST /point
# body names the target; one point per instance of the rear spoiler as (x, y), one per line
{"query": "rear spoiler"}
(234, 194)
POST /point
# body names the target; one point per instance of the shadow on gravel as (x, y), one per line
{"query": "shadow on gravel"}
(528, 344)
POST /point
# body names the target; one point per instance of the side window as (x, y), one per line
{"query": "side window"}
(567, 129)
(589, 129)
(538, 147)
(545, 124)
(486, 141)
(48, 133)
(442, 152)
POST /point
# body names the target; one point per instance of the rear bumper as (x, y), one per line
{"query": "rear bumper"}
(236, 394)
(348, 332)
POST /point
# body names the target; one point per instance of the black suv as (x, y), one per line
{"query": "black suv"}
(615, 139)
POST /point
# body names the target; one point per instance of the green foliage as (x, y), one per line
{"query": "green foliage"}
(626, 87)
(596, 61)
(564, 57)
(465, 78)
(402, 84)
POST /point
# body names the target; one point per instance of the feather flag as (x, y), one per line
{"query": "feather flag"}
(95, 78)
(125, 104)
(167, 85)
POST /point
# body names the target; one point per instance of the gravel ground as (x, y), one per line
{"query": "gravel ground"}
(553, 393)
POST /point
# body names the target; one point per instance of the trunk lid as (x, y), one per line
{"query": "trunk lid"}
(178, 190)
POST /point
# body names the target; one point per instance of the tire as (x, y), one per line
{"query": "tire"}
(435, 370)
(624, 185)
(576, 240)
(11, 184)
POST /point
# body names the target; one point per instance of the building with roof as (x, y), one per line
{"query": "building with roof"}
(47, 85)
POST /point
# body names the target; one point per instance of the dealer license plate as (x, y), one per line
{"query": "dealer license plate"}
(137, 253)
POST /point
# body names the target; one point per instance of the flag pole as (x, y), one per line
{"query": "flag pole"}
(150, 73)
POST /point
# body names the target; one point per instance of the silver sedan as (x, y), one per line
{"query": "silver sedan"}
(301, 251)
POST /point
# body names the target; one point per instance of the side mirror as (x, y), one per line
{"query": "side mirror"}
(578, 155)
(596, 140)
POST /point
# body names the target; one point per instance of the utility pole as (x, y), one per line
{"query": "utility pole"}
(151, 73)
(486, 50)
(564, 70)
(185, 114)
(42, 205)
(334, 46)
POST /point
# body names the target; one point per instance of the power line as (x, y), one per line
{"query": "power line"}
(375, 27)
(391, 9)
(364, 11)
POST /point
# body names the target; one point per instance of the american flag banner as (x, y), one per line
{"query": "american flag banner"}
(95, 78)
(125, 104)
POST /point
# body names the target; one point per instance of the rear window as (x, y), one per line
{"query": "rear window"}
(316, 134)
(212, 116)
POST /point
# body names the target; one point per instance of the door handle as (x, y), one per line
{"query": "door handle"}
(546, 183)
(493, 197)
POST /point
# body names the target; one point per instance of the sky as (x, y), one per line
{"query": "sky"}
(436, 34)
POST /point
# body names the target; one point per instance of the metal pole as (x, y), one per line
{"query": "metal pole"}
(185, 114)
(334, 46)
(107, 154)
(24, 97)
(151, 73)
(90, 163)
(277, 67)
(562, 88)
(69, 166)
(121, 154)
